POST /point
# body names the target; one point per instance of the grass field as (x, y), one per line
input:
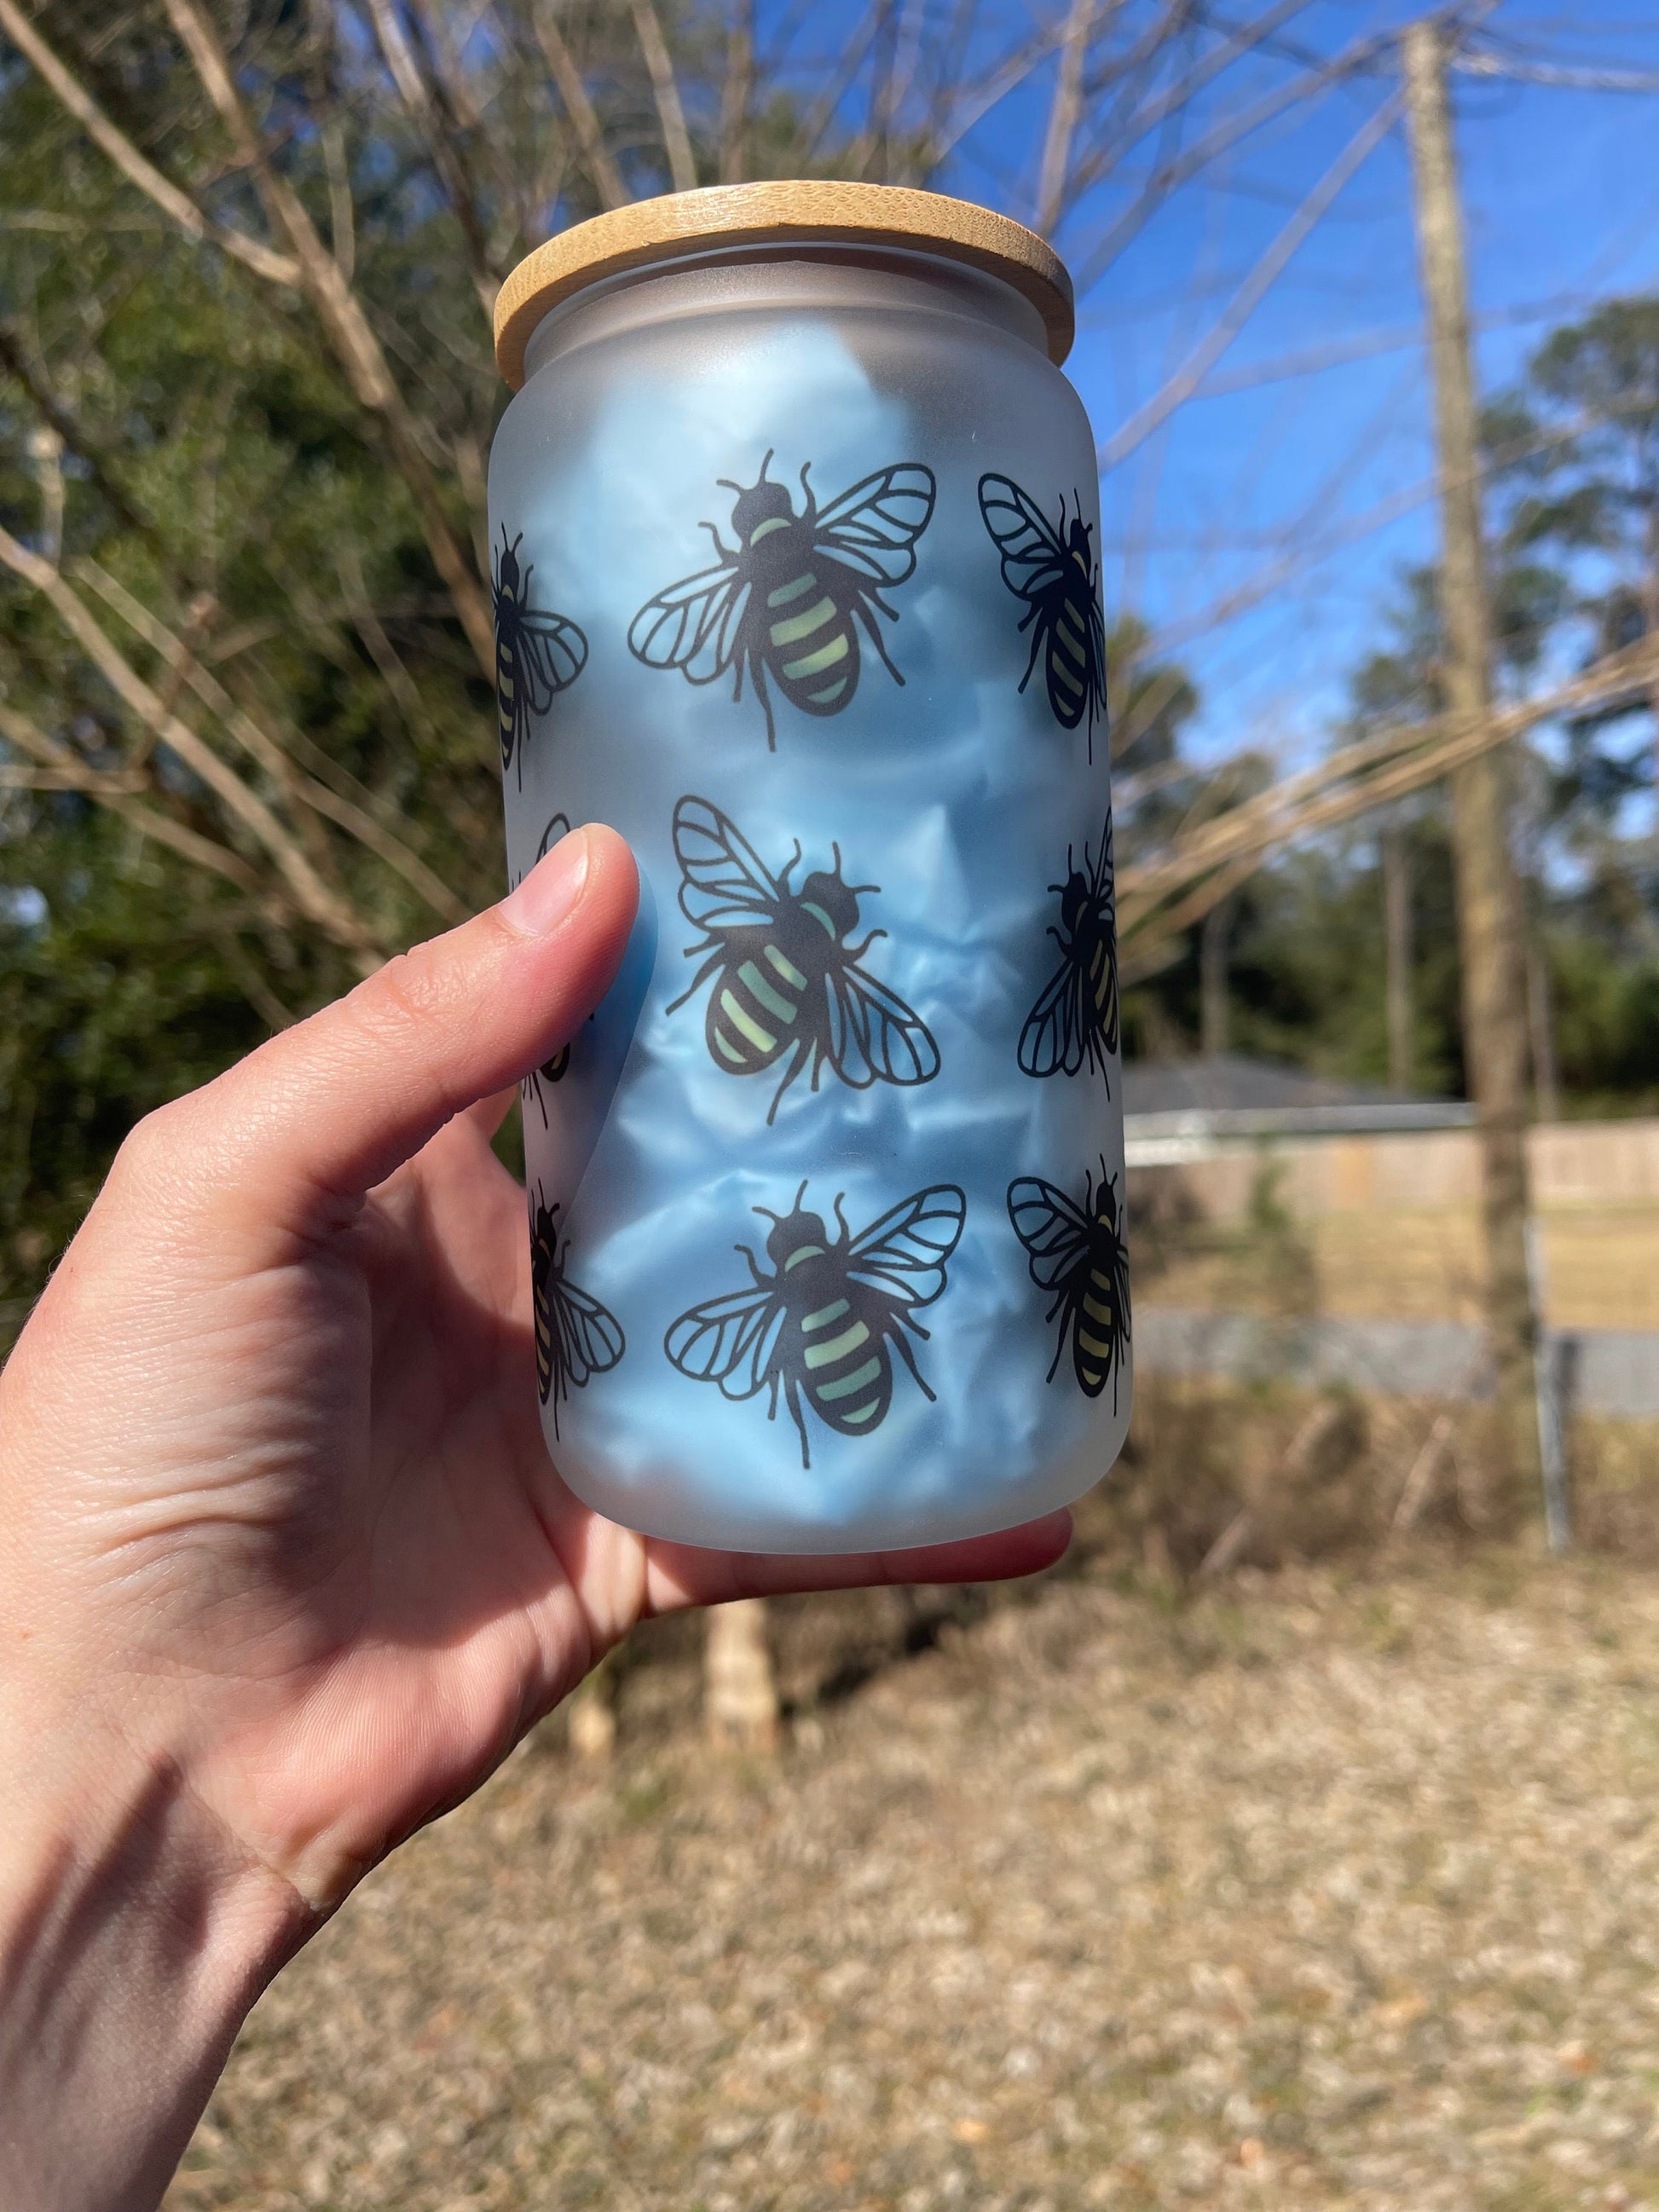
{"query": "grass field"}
(1601, 1264)
(1325, 1891)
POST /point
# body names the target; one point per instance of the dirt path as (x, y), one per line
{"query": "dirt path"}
(1309, 1895)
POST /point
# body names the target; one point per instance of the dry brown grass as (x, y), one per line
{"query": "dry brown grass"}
(1329, 1888)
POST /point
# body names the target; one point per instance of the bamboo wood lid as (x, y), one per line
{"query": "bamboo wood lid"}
(778, 214)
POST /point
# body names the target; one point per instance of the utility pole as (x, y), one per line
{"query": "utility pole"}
(1490, 918)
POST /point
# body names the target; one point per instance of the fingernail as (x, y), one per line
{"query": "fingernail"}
(551, 889)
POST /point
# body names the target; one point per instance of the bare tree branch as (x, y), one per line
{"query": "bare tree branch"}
(1118, 143)
(268, 750)
(737, 95)
(1065, 111)
(1244, 302)
(341, 316)
(322, 906)
(606, 177)
(1374, 771)
(453, 174)
(120, 792)
(1168, 176)
(659, 66)
(275, 268)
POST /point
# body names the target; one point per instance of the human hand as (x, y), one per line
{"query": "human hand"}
(285, 1567)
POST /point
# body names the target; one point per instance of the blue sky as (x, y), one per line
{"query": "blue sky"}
(1563, 203)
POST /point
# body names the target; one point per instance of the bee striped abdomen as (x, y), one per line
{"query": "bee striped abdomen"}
(849, 1375)
(810, 647)
(1097, 1319)
(753, 1013)
(1068, 663)
(1100, 976)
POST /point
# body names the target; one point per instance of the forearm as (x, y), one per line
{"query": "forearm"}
(132, 1942)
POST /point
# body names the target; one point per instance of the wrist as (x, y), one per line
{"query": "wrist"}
(134, 1936)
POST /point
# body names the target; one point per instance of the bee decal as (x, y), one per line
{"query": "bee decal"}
(789, 599)
(537, 653)
(553, 1069)
(1079, 1254)
(576, 1337)
(1056, 574)
(1075, 1020)
(825, 1323)
(787, 982)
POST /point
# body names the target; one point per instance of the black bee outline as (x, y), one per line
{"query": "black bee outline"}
(1057, 577)
(866, 1288)
(538, 654)
(1075, 1019)
(790, 978)
(554, 1070)
(1081, 1256)
(576, 1337)
(754, 607)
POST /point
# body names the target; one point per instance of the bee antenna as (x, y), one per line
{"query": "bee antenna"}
(859, 890)
(799, 1195)
(835, 852)
(765, 465)
(766, 1215)
(725, 483)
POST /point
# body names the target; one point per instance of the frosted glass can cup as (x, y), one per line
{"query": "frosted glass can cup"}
(795, 553)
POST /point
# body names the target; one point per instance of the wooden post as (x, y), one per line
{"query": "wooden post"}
(1401, 957)
(1491, 920)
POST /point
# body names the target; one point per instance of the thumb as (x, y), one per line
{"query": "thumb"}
(329, 1108)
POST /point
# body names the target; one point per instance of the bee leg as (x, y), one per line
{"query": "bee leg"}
(901, 1344)
(699, 979)
(792, 1398)
(1037, 636)
(762, 1282)
(868, 620)
(765, 698)
(802, 1052)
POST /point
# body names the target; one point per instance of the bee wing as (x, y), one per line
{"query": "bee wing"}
(1052, 1042)
(553, 652)
(904, 1252)
(873, 528)
(728, 1340)
(724, 883)
(872, 1035)
(591, 1335)
(1054, 1231)
(693, 626)
(1033, 558)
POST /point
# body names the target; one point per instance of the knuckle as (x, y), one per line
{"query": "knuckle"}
(396, 1012)
(150, 1148)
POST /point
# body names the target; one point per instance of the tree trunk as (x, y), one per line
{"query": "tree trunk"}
(1400, 958)
(591, 1714)
(1490, 921)
(740, 1697)
(1540, 1016)
(1214, 935)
